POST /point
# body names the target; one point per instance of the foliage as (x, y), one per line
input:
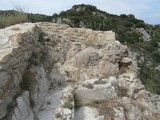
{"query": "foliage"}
(156, 56)
(150, 78)
(38, 17)
(100, 20)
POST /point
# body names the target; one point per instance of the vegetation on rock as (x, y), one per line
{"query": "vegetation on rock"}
(125, 27)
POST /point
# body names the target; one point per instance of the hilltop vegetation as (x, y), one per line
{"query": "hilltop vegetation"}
(127, 32)
(100, 20)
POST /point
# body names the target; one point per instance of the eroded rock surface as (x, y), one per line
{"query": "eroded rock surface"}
(50, 71)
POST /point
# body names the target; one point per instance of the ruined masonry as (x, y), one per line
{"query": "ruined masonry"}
(51, 71)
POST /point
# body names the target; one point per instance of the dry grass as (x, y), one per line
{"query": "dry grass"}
(19, 17)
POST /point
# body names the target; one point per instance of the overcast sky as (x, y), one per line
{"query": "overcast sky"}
(147, 10)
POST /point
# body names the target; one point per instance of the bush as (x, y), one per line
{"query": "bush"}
(154, 43)
(156, 56)
(38, 18)
(140, 24)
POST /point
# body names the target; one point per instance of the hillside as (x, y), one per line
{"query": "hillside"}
(79, 71)
(143, 39)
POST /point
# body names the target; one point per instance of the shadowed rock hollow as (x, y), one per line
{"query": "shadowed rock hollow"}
(53, 72)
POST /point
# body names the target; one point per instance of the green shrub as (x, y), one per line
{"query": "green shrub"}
(38, 17)
(154, 43)
(156, 56)
(140, 24)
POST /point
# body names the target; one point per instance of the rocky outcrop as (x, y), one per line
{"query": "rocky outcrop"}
(16, 47)
(63, 21)
(145, 36)
(51, 71)
(23, 110)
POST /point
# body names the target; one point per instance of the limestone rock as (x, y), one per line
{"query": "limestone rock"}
(92, 93)
(23, 111)
(38, 86)
(52, 71)
(87, 113)
(126, 60)
(58, 105)
(146, 36)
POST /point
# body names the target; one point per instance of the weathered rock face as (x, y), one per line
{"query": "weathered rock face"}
(53, 72)
(16, 48)
(146, 36)
(23, 110)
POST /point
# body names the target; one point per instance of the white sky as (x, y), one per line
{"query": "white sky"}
(147, 10)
